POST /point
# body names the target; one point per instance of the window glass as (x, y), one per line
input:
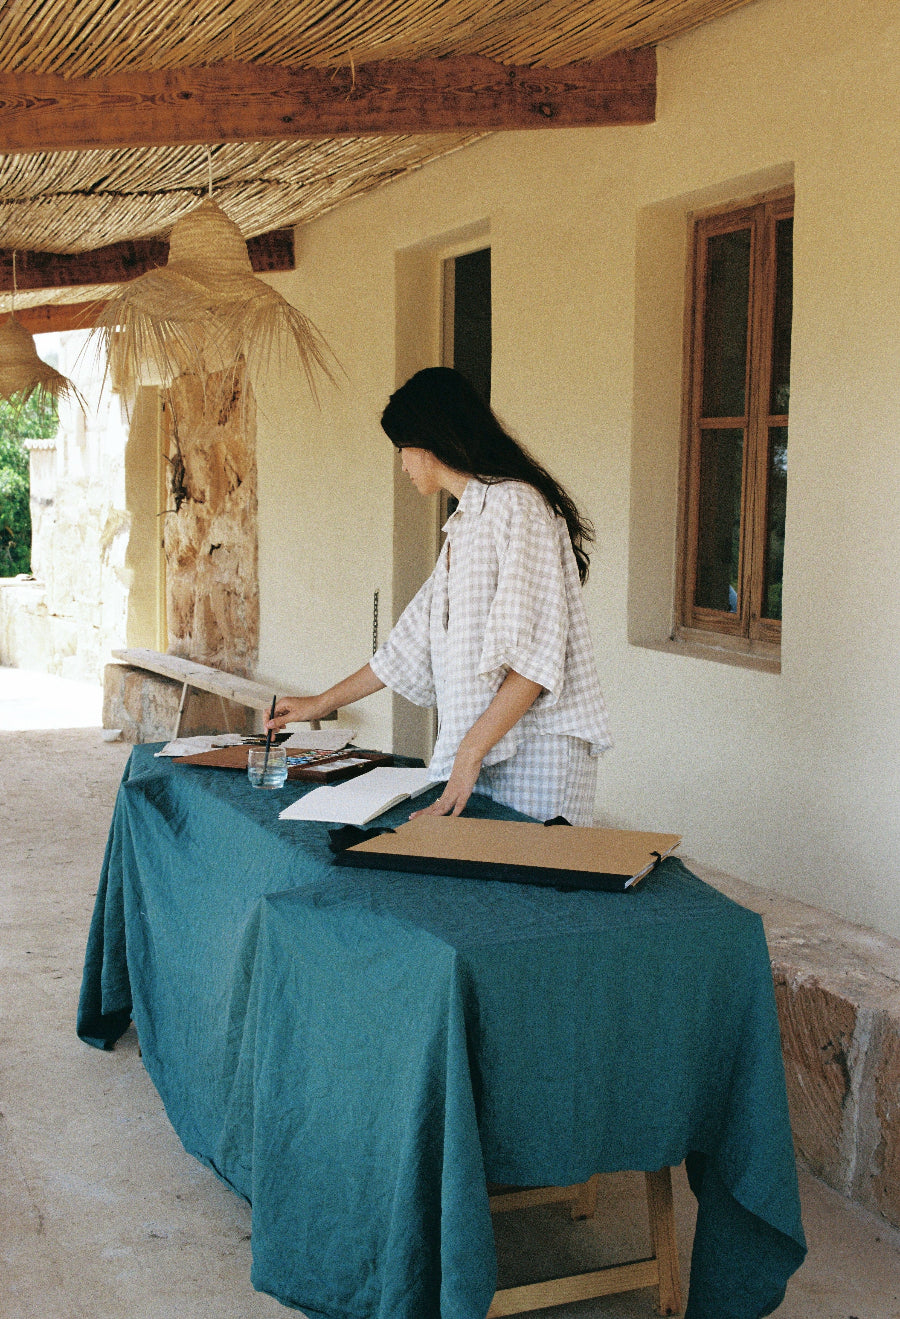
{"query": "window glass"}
(725, 324)
(775, 521)
(719, 529)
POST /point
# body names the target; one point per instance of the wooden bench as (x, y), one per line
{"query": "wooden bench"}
(204, 678)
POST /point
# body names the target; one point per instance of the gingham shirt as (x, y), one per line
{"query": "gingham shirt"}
(504, 594)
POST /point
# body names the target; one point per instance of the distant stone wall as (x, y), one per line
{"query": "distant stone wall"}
(212, 584)
(68, 619)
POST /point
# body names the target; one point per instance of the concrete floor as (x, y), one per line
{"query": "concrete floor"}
(38, 700)
(102, 1213)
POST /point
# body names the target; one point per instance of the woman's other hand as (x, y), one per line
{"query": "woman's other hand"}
(514, 696)
(466, 768)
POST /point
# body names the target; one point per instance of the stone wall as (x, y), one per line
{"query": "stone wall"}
(212, 588)
(75, 610)
(837, 988)
(210, 549)
(68, 618)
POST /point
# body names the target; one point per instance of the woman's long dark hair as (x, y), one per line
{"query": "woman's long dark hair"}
(438, 410)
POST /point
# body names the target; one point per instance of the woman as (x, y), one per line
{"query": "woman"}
(497, 637)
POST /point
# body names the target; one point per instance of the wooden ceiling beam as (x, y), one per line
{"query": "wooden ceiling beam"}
(120, 262)
(256, 102)
(56, 316)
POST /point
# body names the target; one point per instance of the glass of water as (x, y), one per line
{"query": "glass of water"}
(264, 773)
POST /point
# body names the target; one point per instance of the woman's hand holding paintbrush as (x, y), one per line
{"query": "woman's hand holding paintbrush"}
(301, 709)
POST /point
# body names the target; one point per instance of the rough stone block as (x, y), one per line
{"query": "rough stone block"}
(145, 706)
(837, 987)
(816, 1036)
(884, 1188)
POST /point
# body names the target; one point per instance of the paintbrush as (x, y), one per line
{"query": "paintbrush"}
(269, 736)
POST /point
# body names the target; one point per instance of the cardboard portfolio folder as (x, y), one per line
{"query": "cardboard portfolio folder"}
(554, 856)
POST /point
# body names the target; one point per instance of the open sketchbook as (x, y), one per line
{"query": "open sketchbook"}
(361, 799)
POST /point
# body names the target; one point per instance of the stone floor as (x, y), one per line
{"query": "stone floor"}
(102, 1213)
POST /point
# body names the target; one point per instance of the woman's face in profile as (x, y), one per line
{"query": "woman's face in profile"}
(422, 468)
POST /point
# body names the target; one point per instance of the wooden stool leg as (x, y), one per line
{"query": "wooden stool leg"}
(585, 1203)
(659, 1271)
(660, 1209)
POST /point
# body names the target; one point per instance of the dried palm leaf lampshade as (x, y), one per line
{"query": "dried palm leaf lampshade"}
(23, 373)
(205, 310)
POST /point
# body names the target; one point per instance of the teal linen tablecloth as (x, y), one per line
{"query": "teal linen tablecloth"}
(357, 1052)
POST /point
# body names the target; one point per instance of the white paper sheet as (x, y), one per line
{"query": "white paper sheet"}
(192, 746)
(319, 739)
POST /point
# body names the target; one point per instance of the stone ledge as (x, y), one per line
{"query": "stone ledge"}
(837, 987)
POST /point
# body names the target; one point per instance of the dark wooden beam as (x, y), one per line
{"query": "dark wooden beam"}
(56, 316)
(254, 102)
(123, 261)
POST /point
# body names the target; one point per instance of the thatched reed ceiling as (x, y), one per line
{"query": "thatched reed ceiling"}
(87, 38)
(75, 201)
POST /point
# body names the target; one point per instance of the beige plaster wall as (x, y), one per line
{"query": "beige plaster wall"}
(787, 779)
(146, 499)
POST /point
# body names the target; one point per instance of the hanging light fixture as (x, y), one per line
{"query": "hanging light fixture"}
(22, 371)
(204, 311)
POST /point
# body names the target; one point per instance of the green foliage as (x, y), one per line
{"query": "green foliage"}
(35, 420)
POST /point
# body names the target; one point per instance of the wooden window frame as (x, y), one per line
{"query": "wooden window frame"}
(747, 628)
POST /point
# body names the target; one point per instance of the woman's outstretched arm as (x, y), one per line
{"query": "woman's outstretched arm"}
(300, 709)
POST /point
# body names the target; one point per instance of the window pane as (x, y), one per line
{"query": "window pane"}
(778, 438)
(725, 324)
(719, 531)
(781, 336)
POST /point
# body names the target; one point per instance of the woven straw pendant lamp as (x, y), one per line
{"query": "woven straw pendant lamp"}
(22, 372)
(204, 311)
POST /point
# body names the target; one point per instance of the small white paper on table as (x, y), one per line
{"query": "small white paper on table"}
(193, 746)
(319, 739)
